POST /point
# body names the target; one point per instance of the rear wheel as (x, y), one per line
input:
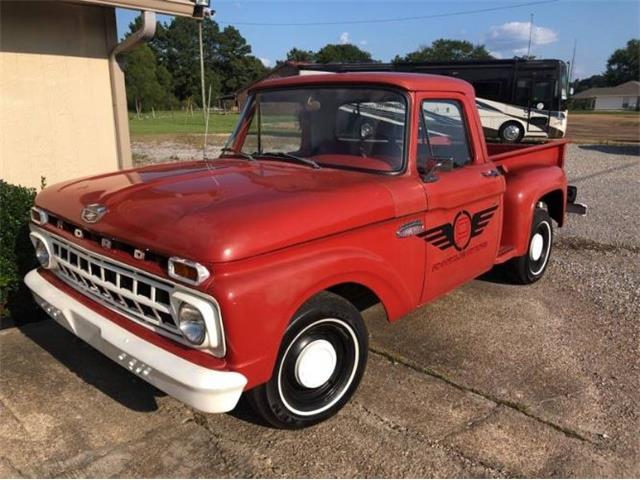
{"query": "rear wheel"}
(530, 267)
(511, 132)
(321, 361)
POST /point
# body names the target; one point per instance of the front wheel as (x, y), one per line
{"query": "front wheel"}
(530, 267)
(321, 361)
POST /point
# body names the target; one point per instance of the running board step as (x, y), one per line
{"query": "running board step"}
(505, 253)
(577, 208)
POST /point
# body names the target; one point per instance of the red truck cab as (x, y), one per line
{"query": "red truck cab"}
(248, 273)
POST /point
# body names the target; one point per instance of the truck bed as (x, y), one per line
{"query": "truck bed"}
(512, 157)
(525, 167)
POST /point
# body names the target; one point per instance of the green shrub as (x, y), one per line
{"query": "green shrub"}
(16, 252)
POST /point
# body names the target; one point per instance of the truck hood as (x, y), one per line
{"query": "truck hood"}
(223, 210)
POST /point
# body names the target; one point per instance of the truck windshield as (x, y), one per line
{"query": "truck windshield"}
(349, 128)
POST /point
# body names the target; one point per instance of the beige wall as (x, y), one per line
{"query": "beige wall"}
(56, 110)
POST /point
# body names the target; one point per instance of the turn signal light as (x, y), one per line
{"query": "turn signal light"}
(39, 216)
(187, 271)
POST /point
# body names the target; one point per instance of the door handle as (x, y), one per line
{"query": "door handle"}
(410, 229)
(491, 173)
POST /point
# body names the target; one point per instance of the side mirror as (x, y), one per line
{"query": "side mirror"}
(571, 91)
(442, 164)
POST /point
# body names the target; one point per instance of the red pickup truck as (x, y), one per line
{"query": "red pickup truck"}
(249, 273)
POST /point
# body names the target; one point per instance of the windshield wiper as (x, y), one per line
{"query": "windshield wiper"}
(248, 156)
(306, 161)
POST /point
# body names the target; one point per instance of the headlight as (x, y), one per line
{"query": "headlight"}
(43, 251)
(197, 316)
(191, 324)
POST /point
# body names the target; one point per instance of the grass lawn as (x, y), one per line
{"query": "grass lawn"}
(629, 113)
(167, 122)
(601, 127)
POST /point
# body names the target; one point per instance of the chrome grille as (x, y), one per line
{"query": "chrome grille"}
(121, 288)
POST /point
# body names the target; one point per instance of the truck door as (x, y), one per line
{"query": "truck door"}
(464, 204)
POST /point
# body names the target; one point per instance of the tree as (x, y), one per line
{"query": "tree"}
(177, 49)
(593, 81)
(343, 53)
(446, 50)
(297, 55)
(149, 85)
(624, 64)
(234, 64)
(228, 62)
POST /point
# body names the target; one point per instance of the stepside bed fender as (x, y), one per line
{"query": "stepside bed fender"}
(525, 188)
(259, 300)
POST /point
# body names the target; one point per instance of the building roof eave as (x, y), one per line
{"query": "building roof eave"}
(183, 8)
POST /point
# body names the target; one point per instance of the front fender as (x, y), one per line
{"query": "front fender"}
(258, 297)
(524, 189)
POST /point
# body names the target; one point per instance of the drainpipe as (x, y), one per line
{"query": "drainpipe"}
(118, 92)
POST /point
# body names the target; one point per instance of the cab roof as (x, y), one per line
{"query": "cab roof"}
(406, 81)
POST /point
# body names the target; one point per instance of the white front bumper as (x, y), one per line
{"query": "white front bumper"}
(207, 390)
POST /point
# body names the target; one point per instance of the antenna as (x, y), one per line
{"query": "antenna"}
(530, 35)
(206, 126)
(200, 43)
(207, 13)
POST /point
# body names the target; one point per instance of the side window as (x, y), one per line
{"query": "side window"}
(446, 132)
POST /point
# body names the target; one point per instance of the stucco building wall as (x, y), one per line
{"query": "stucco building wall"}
(56, 102)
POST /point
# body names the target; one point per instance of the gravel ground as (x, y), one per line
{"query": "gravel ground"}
(600, 254)
(166, 148)
(492, 380)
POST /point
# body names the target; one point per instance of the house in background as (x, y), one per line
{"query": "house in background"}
(63, 108)
(623, 97)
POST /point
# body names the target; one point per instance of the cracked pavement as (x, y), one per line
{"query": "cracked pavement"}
(492, 380)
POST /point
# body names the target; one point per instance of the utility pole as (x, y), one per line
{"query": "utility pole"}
(530, 35)
(573, 60)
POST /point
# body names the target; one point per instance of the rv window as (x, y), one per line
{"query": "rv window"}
(488, 90)
(523, 91)
(542, 91)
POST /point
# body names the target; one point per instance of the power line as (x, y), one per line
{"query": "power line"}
(390, 20)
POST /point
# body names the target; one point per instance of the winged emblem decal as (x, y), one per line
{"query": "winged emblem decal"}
(459, 233)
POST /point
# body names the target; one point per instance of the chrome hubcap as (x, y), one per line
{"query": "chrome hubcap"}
(535, 249)
(315, 364)
(511, 132)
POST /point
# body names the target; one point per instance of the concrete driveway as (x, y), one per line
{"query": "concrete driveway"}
(492, 380)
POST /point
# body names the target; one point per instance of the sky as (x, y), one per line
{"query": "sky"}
(382, 27)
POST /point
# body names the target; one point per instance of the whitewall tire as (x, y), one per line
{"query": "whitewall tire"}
(531, 266)
(322, 357)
